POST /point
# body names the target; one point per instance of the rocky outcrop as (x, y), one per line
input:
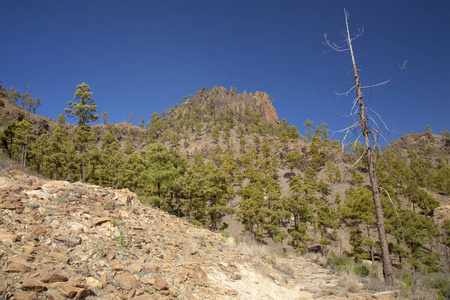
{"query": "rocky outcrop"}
(221, 99)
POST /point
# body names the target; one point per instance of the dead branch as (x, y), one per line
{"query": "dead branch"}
(381, 119)
(403, 235)
(387, 81)
(356, 162)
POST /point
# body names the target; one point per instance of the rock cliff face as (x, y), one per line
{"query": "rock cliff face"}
(221, 98)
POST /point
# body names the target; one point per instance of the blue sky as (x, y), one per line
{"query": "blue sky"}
(141, 57)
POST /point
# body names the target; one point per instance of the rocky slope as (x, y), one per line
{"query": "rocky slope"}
(61, 240)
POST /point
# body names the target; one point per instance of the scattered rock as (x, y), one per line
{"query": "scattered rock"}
(55, 277)
(126, 281)
(94, 283)
(33, 285)
(135, 268)
(22, 295)
(152, 269)
(69, 290)
(117, 266)
(17, 267)
(160, 284)
(54, 296)
(7, 237)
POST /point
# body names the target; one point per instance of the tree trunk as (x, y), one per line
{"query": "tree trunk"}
(190, 208)
(25, 150)
(81, 170)
(386, 259)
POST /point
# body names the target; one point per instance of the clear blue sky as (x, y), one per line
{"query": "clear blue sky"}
(141, 57)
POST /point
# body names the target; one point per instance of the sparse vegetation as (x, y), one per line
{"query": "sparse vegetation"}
(102, 252)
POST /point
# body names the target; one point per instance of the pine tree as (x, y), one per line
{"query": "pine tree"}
(13, 95)
(111, 160)
(191, 189)
(217, 193)
(159, 170)
(38, 151)
(250, 207)
(84, 137)
(85, 108)
(84, 111)
(10, 133)
(131, 173)
(293, 160)
(59, 158)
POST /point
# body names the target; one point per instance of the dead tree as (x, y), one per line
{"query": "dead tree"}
(370, 136)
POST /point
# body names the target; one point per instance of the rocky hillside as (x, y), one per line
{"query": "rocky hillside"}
(11, 111)
(61, 240)
(219, 161)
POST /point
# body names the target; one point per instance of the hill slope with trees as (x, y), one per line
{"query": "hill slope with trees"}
(224, 161)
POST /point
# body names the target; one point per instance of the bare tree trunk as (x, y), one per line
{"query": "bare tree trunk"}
(387, 265)
(81, 170)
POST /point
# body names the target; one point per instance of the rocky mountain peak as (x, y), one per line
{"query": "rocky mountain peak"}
(221, 99)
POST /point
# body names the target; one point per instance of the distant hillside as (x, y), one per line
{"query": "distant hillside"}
(11, 111)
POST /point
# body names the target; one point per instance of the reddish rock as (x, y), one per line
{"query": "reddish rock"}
(152, 269)
(58, 256)
(99, 221)
(39, 230)
(104, 280)
(8, 237)
(8, 205)
(160, 284)
(55, 277)
(54, 296)
(83, 293)
(110, 255)
(144, 296)
(33, 285)
(69, 290)
(17, 267)
(116, 265)
(232, 292)
(22, 295)
(131, 294)
(135, 268)
(30, 236)
(126, 281)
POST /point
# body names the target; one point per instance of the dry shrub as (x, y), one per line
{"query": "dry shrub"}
(317, 258)
(253, 249)
(375, 284)
(375, 271)
(351, 282)
(375, 281)
(284, 268)
(419, 293)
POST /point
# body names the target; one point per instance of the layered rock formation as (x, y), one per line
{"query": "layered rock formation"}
(259, 102)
